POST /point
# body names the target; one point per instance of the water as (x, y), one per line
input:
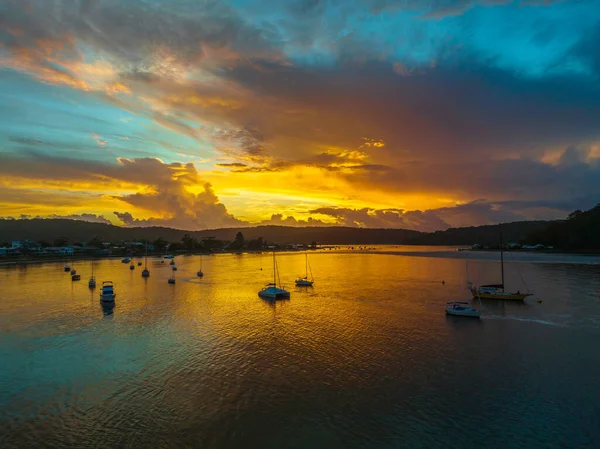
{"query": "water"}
(366, 358)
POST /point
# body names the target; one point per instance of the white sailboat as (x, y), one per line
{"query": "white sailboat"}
(146, 272)
(305, 281)
(271, 291)
(92, 281)
(462, 308)
(200, 273)
(496, 291)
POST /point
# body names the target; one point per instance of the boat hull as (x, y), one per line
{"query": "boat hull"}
(304, 283)
(274, 293)
(502, 296)
(467, 313)
(108, 298)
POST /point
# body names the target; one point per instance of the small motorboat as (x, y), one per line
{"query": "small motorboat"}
(75, 277)
(132, 267)
(67, 268)
(126, 260)
(73, 272)
(169, 256)
(139, 264)
(461, 308)
(107, 293)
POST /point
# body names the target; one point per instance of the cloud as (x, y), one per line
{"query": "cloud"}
(384, 218)
(280, 220)
(91, 218)
(405, 109)
(165, 190)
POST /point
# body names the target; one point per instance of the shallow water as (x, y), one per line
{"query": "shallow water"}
(366, 358)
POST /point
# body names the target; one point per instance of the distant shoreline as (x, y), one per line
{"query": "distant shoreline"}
(32, 260)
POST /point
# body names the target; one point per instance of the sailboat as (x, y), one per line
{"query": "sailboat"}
(146, 272)
(172, 279)
(304, 281)
(271, 291)
(92, 281)
(462, 308)
(496, 291)
(200, 273)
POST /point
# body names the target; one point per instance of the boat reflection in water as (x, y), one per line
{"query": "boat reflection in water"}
(108, 308)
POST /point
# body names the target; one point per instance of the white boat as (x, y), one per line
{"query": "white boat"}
(92, 281)
(126, 260)
(107, 292)
(200, 273)
(145, 271)
(271, 291)
(169, 256)
(460, 308)
(305, 281)
(67, 268)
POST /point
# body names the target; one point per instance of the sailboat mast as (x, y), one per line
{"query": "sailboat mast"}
(306, 275)
(502, 258)
(274, 270)
(146, 257)
(467, 272)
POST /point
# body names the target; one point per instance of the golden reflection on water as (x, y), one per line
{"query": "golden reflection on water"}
(367, 353)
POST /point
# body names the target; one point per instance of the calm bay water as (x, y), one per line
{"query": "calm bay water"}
(366, 358)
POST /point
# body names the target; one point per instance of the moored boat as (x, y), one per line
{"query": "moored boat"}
(107, 292)
(145, 271)
(271, 290)
(496, 291)
(92, 281)
(305, 281)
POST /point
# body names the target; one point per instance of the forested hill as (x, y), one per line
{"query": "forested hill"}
(518, 232)
(579, 232)
(74, 231)
(50, 230)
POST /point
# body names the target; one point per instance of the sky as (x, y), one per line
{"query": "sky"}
(196, 114)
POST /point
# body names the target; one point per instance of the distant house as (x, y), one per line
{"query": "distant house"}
(60, 250)
(9, 251)
(25, 245)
